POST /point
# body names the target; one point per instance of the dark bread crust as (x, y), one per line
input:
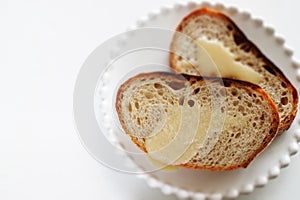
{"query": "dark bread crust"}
(246, 45)
(190, 79)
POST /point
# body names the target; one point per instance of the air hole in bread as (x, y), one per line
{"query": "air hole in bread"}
(157, 85)
(138, 121)
(222, 92)
(238, 39)
(271, 130)
(199, 78)
(269, 69)
(262, 117)
(249, 93)
(229, 28)
(129, 107)
(197, 20)
(191, 103)
(176, 85)
(227, 84)
(234, 92)
(246, 47)
(241, 109)
(171, 101)
(136, 104)
(160, 92)
(196, 91)
(238, 135)
(181, 101)
(250, 64)
(284, 100)
(223, 109)
(235, 103)
(193, 82)
(283, 84)
(216, 94)
(238, 59)
(257, 101)
(148, 95)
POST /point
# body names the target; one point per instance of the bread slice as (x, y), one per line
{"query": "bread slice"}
(236, 121)
(215, 26)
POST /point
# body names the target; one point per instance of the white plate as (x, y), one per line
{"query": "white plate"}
(142, 50)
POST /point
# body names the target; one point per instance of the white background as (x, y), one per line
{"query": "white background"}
(42, 47)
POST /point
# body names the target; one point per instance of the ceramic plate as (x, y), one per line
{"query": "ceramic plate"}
(144, 48)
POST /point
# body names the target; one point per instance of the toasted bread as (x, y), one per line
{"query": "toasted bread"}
(215, 26)
(236, 119)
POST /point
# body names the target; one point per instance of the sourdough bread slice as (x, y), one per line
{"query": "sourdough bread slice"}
(215, 26)
(232, 121)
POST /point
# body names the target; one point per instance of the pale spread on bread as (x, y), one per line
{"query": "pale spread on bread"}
(216, 60)
(182, 136)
